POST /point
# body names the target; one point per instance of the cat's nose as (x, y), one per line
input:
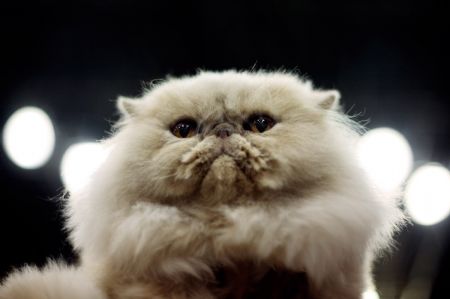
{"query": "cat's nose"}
(223, 130)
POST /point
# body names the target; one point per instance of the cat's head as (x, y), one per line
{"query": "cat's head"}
(227, 138)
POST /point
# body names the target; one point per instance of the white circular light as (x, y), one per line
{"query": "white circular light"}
(386, 156)
(29, 137)
(79, 162)
(370, 294)
(427, 194)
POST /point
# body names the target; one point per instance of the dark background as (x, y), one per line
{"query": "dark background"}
(389, 59)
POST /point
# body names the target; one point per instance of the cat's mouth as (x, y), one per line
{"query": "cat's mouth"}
(247, 157)
(221, 166)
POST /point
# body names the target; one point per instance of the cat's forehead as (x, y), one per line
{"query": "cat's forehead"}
(209, 94)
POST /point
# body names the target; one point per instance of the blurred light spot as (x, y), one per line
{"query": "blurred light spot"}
(386, 156)
(427, 194)
(79, 162)
(29, 137)
(370, 294)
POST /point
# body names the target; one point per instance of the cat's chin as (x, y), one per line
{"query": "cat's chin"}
(225, 182)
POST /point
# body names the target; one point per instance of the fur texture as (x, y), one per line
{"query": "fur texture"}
(209, 215)
(54, 281)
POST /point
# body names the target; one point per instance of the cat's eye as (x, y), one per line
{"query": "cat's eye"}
(259, 123)
(184, 128)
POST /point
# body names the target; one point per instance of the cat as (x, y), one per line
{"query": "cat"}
(223, 185)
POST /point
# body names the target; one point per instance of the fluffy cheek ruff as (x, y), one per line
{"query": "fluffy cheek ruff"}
(301, 156)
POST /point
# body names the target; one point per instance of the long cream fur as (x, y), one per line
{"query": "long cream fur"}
(162, 213)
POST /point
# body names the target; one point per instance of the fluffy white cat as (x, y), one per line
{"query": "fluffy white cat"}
(223, 185)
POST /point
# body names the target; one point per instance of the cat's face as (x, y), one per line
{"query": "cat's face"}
(225, 138)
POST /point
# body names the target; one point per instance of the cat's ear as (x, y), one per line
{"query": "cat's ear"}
(127, 106)
(328, 99)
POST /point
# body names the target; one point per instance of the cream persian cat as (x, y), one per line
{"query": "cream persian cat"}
(223, 185)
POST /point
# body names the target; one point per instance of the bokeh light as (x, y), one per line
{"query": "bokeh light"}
(79, 162)
(386, 156)
(370, 294)
(427, 194)
(29, 137)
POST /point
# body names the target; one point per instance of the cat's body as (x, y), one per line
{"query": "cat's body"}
(226, 185)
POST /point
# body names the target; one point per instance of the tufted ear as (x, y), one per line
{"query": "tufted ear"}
(329, 99)
(127, 106)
